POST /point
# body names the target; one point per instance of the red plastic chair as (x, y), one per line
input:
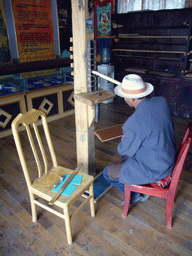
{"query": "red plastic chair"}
(159, 191)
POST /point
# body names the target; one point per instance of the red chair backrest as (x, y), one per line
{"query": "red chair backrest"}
(184, 147)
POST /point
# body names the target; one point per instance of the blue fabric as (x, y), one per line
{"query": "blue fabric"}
(116, 183)
(149, 143)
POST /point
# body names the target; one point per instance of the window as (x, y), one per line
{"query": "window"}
(137, 5)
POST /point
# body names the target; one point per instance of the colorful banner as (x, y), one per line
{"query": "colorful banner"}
(5, 55)
(104, 9)
(104, 21)
(34, 29)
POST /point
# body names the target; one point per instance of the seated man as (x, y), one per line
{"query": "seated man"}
(148, 143)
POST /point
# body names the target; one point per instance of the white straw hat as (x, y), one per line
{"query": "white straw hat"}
(133, 86)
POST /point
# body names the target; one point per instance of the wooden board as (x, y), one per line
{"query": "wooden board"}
(109, 133)
(93, 98)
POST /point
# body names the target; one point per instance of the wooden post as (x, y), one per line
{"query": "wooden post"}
(84, 114)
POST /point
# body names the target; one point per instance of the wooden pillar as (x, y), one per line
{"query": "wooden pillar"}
(84, 114)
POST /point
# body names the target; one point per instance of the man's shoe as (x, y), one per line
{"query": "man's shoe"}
(137, 198)
(144, 197)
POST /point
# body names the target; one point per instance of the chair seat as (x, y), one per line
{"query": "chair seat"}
(163, 183)
(43, 186)
(149, 189)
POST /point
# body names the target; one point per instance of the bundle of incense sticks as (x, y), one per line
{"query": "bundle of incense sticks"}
(106, 77)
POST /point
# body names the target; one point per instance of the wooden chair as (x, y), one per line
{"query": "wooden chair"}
(41, 187)
(169, 191)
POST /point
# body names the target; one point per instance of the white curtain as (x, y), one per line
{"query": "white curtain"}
(124, 6)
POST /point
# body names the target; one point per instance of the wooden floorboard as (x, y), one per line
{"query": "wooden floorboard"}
(144, 230)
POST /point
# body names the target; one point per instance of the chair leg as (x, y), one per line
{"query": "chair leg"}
(92, 205)
(33, 208)
(67, 224)
(127, 198)
(169, 207)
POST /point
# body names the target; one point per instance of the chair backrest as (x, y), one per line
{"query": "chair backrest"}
(183, 150)
(29, 120)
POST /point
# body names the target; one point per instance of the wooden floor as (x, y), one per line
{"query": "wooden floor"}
(144, 230)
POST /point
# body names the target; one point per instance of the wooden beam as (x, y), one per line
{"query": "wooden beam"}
(79, 46)
(84, 114)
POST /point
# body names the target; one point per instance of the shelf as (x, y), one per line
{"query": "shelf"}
(149, 51)
(150, 72)
(154, 42)
(171, 59)
(156, 37)
(137, 70)
(7, 69)
(93, 98)
(150, 57)
(159, 73)
(116, 26)
(158, 40)
(132, 56)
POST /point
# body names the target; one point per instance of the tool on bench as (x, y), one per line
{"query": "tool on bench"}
(55, 185)
(63, 177)
(65, 184)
